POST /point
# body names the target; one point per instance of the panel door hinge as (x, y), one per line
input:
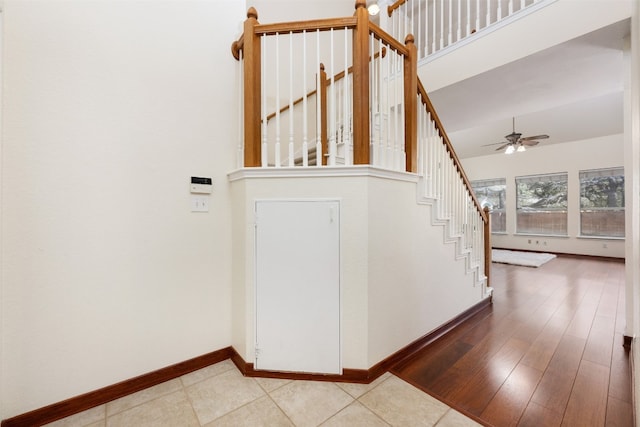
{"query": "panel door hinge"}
(257, 352)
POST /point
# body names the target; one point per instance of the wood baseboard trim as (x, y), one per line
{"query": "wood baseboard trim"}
(101, 396)
(407, 353)
(365, 376)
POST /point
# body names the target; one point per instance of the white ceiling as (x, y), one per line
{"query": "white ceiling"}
(573, 91)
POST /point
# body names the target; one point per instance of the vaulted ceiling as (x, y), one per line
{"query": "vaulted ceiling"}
(572, 91)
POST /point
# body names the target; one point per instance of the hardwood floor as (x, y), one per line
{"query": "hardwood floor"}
(548, 352)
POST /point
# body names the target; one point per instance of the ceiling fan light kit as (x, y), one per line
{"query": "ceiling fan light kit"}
(515, 142)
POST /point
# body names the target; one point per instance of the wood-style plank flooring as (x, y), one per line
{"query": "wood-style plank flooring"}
(548, 352)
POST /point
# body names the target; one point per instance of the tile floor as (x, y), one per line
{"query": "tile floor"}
(220, 396)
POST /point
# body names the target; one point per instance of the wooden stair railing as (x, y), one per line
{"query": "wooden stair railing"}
(362, 29)
(483, 212)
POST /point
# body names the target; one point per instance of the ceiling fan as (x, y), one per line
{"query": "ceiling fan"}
(515, 142)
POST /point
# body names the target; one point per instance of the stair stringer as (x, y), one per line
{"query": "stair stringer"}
(472, 266)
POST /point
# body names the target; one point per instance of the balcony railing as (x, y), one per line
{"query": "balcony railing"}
(438, 25)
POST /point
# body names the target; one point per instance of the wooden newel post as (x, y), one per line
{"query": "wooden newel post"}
(487, 245)
(411, 105)
(321, 158)
(252, 91)
(361, 85)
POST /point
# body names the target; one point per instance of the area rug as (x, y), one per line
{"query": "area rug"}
(527, 259)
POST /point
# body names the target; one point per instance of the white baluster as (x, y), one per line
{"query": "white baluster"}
(441, 24)
(421, 42)
(381, 106)
(510, 7)
(291, 152)
(375, 106)
(332, 108)
(263, 79)
(305, 124)
(386, 142)
(468, 29)
(348, 158)
(318, 104)
(499, 13)
(433, 35)
(488, 13)
(459, 26)
(450, 30)
(277, 150)
(240, 154)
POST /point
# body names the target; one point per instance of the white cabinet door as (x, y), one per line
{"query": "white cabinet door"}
(298, 286)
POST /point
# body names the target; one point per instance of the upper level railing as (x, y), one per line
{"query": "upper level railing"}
(344, 91)
(440, 24)
(326, 86)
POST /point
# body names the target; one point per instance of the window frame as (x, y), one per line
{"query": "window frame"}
(559, 223)
(498, 215)
(597, 211)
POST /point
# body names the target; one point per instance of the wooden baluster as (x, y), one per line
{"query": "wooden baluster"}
(323, 118)
(411, 106)
(487, 245)
(361, 113)
(252, 60)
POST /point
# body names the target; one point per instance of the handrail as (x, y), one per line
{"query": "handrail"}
(339, 76)
(382, 35)
(394, 6)
(434, 116)
(300, 26)
(293, 27)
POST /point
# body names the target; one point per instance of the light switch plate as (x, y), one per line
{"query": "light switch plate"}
(199, 204)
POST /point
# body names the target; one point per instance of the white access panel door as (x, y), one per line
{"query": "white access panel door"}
(298, 286)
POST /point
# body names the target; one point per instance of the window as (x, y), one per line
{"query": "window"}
(541, 204)
(602, 202)
(491, 193)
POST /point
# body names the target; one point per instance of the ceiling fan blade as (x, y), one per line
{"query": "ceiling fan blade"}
(529, 138)
(502, 147)
(529, 143)
(495, 143)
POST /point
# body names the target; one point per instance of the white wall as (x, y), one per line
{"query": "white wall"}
(416, 282)
(109, 108)
(568, 157)
(398, 279)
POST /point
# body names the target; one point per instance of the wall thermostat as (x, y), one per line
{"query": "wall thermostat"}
(201, 185)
